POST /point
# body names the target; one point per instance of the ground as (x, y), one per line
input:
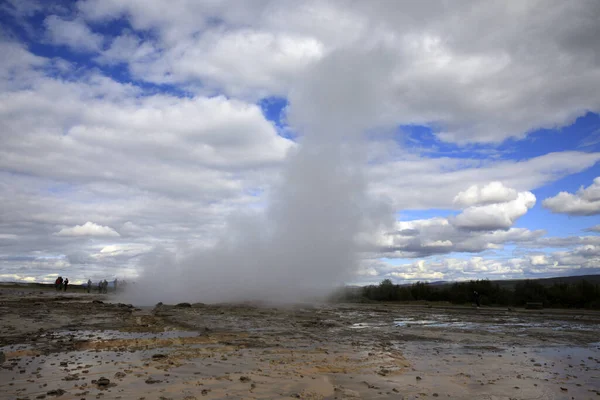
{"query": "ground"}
(89, 346)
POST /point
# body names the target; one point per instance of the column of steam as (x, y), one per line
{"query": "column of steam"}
(304, 242)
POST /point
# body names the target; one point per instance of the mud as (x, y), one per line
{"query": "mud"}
(82, 346)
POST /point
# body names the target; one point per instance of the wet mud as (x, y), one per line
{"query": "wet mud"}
(92, 347)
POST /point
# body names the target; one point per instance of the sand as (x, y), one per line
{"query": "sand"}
(89, 346)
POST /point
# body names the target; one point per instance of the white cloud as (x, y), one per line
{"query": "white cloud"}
(194, 147)
(418, 182)
(595, 228)
(476, 229)
(72, 33)
(493, 192)
(539, 259)
(87, 229)
(246, 63)
(586, 201)
(476, 88)
(495, 216)
(578, 261)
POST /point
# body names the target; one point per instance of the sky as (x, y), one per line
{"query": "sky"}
(134, 127)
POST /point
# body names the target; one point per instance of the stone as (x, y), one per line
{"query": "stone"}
(103, 382)
(56, 392)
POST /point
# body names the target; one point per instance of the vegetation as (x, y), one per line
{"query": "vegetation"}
(574, 294)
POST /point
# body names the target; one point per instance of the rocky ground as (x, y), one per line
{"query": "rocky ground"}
(81, 346)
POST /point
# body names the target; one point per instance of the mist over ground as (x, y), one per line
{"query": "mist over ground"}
(304, 243)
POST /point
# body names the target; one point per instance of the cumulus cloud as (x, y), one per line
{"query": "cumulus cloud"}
(578, 261)
(493, 192)
(417, 182)
(501, 215)
(477, 228)
(586, 201)
(87, 229)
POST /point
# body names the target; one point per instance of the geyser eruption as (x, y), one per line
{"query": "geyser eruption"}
(304, 243)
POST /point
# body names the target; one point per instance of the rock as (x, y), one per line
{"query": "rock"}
(103, 382)
(370, 386)
(97, 302)
(564, 389)
(158, 356)
(159, 304)
(152, 380)
(183, 305)
(120, 375)
(419, 378)
(56, 392)
(74, 377)
(2, 357)
(244, 379)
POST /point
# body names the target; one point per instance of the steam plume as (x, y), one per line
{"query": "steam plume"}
(305, 241)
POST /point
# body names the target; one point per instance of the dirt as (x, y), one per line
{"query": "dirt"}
(85, 346)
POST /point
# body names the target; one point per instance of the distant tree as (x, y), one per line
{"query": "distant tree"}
(582, 294)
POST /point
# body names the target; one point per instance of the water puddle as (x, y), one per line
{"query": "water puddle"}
(513, 325)
(93, 335)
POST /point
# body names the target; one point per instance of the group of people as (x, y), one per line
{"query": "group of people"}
(61, 284)
(102, 286)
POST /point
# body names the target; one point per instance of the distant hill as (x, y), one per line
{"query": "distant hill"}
(511, 283)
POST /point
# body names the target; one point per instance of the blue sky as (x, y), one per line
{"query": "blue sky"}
(114, 112)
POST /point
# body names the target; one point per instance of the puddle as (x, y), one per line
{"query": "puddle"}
(513, 325)
(367, 325)
(89, 335)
